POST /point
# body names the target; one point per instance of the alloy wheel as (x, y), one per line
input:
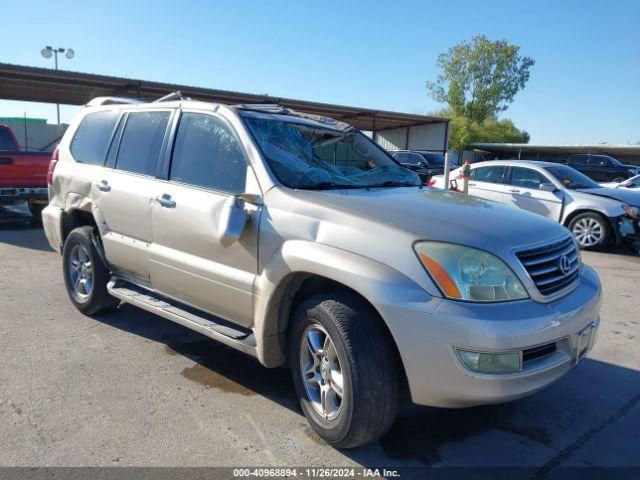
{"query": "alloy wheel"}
(321, 372)
(588, 232)
(80, 272)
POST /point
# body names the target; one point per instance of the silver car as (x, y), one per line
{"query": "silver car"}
(297, 240)
(595, 214)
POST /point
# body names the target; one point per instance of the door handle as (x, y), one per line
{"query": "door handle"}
(104, 186)
(166, 201)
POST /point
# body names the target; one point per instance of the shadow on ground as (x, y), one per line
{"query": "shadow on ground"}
(553, 418)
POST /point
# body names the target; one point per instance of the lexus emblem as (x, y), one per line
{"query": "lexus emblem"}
(564, 264)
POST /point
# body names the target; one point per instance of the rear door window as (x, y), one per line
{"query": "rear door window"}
(207, 153)
(490, 174)
(91, 140)
(142, 141)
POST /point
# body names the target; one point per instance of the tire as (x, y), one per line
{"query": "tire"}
(592, 230)
(619, 179)
(85, 274)
(36, 208)
(367, 367)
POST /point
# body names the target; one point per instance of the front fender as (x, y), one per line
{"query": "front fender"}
(375, 281)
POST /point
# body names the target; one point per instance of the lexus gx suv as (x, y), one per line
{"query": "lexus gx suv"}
(297, 240)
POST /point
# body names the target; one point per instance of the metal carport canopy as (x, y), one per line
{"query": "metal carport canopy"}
(33, 84)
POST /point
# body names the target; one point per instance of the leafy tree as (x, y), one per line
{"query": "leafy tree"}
(463, 131)
(480, 78)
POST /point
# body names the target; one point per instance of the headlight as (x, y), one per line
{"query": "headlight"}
(465, 273)
(633, 212)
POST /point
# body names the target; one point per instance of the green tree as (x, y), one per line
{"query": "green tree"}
(479, 78)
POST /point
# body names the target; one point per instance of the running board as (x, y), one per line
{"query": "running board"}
(213, 327)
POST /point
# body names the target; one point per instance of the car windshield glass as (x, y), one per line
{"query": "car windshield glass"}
(571, 179)
(434, 158)
(597, 159)
(303, 154)
(633, 182)
(413, 159)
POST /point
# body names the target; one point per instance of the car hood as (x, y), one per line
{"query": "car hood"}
(443, 215)
(625, 195)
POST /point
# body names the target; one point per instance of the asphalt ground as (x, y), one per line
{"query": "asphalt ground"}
(132, 389)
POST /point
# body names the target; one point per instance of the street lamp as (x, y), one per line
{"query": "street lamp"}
(48, 52)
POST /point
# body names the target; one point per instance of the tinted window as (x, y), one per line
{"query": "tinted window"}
(91, 140)
(579, 159)
(490, 174)
(208, 154)
(6, 140)
(433, 158)
(141, 142)
(602, 161)
(527, 178)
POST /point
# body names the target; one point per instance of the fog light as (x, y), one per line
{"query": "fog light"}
(491, 362)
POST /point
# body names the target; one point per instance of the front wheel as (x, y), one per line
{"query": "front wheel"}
(344, 369)
(619, 179)
(592, 230)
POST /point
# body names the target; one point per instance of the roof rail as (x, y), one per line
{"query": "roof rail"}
(113, 101)
(171, 97)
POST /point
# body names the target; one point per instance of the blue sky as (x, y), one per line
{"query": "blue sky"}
(379, 54)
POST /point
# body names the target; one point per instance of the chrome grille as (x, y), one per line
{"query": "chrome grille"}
(544, 265)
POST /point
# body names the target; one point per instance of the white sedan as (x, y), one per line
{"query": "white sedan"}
(596, 215)
(633, 182)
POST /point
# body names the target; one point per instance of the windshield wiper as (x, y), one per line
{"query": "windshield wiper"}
(393, 183)
(330, 186)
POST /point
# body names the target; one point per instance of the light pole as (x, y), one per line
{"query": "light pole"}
(48, 52)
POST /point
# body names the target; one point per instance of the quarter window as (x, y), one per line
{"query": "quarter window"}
(490, 174)
(91, 140)
(208, 154)
(527, 178)
(142, 141)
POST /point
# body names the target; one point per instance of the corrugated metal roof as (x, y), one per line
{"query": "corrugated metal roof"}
(19, 82)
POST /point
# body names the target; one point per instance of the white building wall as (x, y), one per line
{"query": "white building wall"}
(39, 136)
(421, 137)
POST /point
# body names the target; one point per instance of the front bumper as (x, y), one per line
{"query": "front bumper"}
(426, 340)
(629, 228)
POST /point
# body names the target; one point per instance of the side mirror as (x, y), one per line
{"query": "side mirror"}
(548, 187)
(232, 221)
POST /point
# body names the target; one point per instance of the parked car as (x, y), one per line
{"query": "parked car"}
(633, 182)
(425, 164)
(23, 175)
(597, 216)
(602, 168)
(296, 239)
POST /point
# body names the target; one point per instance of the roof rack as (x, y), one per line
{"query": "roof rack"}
(171, 97)
(114, 101)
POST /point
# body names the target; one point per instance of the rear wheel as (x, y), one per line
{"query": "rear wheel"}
(592, 230)
(344, 369)
(85, 273)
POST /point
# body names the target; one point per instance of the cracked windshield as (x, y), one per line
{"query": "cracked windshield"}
(307, 154)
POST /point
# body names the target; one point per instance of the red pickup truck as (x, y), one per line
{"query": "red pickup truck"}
(23, 175)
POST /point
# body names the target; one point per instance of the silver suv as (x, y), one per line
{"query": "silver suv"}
(297, 240)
